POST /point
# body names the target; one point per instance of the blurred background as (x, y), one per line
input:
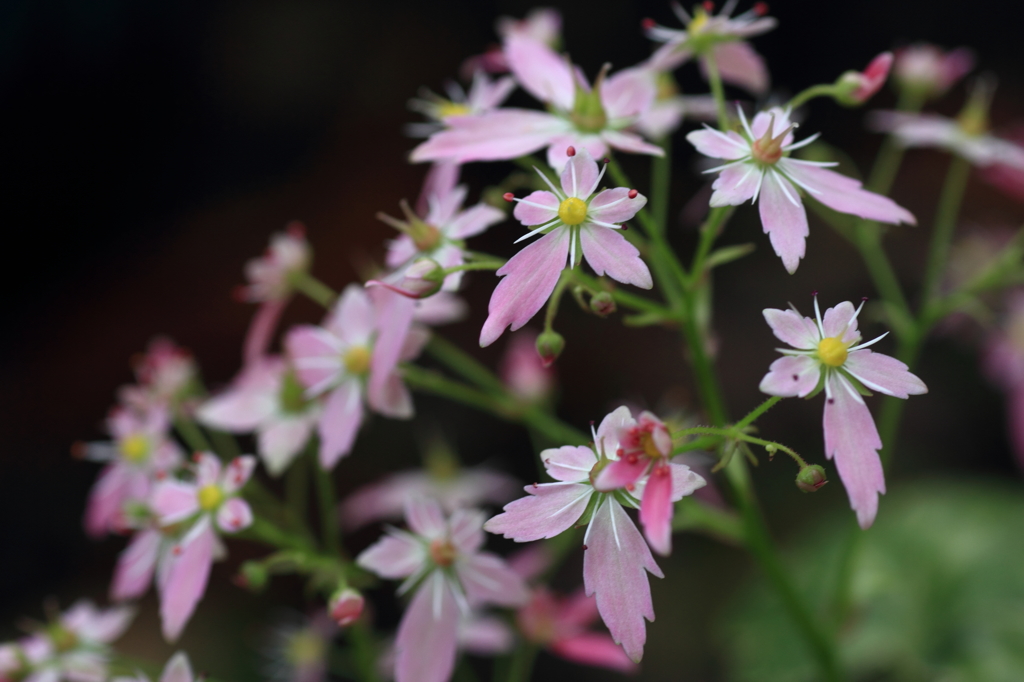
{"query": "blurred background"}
(152, 148)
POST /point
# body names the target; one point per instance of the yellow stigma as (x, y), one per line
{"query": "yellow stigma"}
(649, 447)
(573, 211)
(700, 21)
(135, 448)
(832, 352)
(357, 359)
(210, 497)
(448, 109)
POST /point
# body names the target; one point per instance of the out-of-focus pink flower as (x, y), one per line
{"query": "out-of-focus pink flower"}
(299, 647)
(353, 357)
(719, 36)
(346, 606)
(73, 648)
(1008, 177)
(178, 669)
(443, 557)
(439, 309)
(759, 168)
(559, 624)
(523, 371)
(543, 24)
(588, 118)
(1004, 364)
(568, 217)
(142, 452)
(265, 397)
(209, 504)
(616, 556)
(927, 70)
(271, 285)
(858, 87)
(669, 108)
(827, 353)
(931, 130)
(148, 553)
(166, 373)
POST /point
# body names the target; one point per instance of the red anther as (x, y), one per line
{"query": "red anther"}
(831, 401)
(161, 475)
(606, 160)
(630, 487)
(661, 471)
(239, 294)
(760, 8)
(571, 151)
(585, 548)
(240, 580)
(508, 196)
(536, 485)
(632, 458)
(625, 227)
(177, 550)
(647, 23)
(236, 522)
(196, 456)
(592, 422)
(78, 449)
(863, 298)
(633, 193)
(708, 6)
(796, 378)
(296, 229)
(814, 293)
(620, 453)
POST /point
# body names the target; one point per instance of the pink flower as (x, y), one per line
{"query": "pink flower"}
(559, 624)
(862, 85)
(266, 397)
(142, 452)
(759, 168)
(270, 284)
(1004, 363)
(931, 130)
(569, 218)
(721, 36)
(543, 24)
(483, 96)
(178, 669)
(346, 606)
(928, 70)
(443, 557)
(523, 372)
(352, 358)
(827, 354)
(149, 552)
(166, 373)
(616, 555)
(209, 503)
(589, 118)
(1008, 177)
(74, 647)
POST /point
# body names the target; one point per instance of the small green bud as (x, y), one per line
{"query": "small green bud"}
(602, 304)
(811, 478)
(253, 575)
(550, 345)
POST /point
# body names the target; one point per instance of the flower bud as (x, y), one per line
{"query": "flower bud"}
(854, 88)
(550, 345)
(346, 606)
(423, 278)
(252, 576)
(602, 304)
(811, 478)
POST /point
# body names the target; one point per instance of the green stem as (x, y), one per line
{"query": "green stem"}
(757, 412)
(328, 510)
(556, 297)
(313, 288)
(624, 297)
(709, 231)
(463, 363)
(193, 436)
(717, 91)
(661, 173)
(365, 654)
(475, 265)
(823, 90)
(736, 434)
(436, 383)
(522, 662)
(945, 224)
(296, 481)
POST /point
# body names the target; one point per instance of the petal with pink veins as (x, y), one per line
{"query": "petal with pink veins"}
(793, 328)
(427, 636)
(656, 510)
(784, 219)
(186, 578)
(234, 515)
(736, 184)
(487, 579)
(852, 439)
(621, 473)
(425, 517)
(614, 423)
(207, 469)
(792, 375)
(465, 529)
(719, 145)
(238, 473)
(394, 556)
(570, 463)
(844, 194)
(354, 318)
(608, 253)
(841, 321)
(615, 206)
(529, 278)
(495, 136)
(315, 354)
(541, 71)
(545, 211)
(339, 423)
(280, 441)
(580, 176)
(441, 179)
(395, 316)
(108, 494)
(883, 374)
(251, 398)
(595, 649)
(135, 566)
(548, 510)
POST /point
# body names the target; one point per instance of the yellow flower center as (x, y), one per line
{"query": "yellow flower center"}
(447, 109)
(573, 211)
(304, 648)
(210, 497)
(699, 22)
(832, 352)
(135, 448)
(443, 552)
(357, 360)
(648, 445)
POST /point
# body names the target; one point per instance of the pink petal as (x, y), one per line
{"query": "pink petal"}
(186, 579)
(841, 322)
(427, 636)
(630, 142)
(425, 517)
(719, 145)
(494, 136)
(443, 207)
(793, 328)
(792, 375)
(559, 145)
(238, 473)
(613, 423)
(281, 440)
(394, 318)
(736, 184)
(108, 494)
(784, 219)
(613, 569)
(571, 463)
(621, 473)
(884, 374)
(474, 221)
(615, 206)
(873, 77)
(251, 398)
(741, 65)
(234, 515)
(487, 579)
(550, 509)
(261, 329)
(542, 72)
(577, 611)
(207, 469)
(851, 437)
(844, 194)
(608, 253)
(535, 215)
(339, 423)
(393, 399)
(394, 556)
(315, 354)
(485, 636)
(530, 277)
(591, 648)
(656, 510)
(441, 179)
(174, 501)
(776, 118)
(465, 529)
(354, 317)
(580, 175)
(135, 565)
(177, 669)
(628, 93)
(684, 481)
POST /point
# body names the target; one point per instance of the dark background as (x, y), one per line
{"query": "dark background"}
(151, 148)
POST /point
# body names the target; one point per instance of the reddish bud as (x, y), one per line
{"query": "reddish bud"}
(346, 606)
(811, 478)
(508, 196)
(550, 345)
(571, 151)
(633, 193)
(606, 160)
(760, 8)
(602, 304)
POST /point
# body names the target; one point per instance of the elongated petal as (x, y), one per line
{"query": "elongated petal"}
(177, 669)
(174, 501)
(741, 65)
(234, 515)
(630, 142)
(736, 184)
(339, 423)
(592, 648)
(793, 328)
(545, 211)
(628, 93)
(427, 636)
(135, 566)
(186, 578)
(557, 156)
(844, 194)
(719, 145)
(441, 179)
(615, 206)
(611, 426)
(613, 569)
(280, 441)
(487, 579)
(465, 528)
(495, 136)
(393, 398)
(485, 635)
(621, 473)
(570, 463)
(776, 118)
(852, 439)
(608, 253)
(530, 277)
(884, 374)
(656, 510)
(108, 494)
(394, 556)
(685, 481)
(548, 510)
(250, 400)
(261, 329)
(841, 321)
(316, 355)
(474, 220)
(792, 375)
(425, 517)
(580, 175)
(395, 314)
(577, 611)
(784, 219)
(541, 71)
(354, 317)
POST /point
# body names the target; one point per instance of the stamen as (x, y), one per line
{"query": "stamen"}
(633, 193)
(647, 23)
(508, 196)
(571, 151)
(760, 8)
(708, 6)
(817, 314)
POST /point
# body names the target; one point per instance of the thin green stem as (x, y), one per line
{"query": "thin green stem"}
(365, 650)
(463, 363)
(661, 177)
(475, 265)
(717, 90)
(556, 298)
(328, 510)
(757, 412)
(945, 224)
(822, 90)
(438, 384)
(522, 662)
(313, 288)
(736, 434)
(709, 232)
(624, 297)
(193, 436)
(296, 484)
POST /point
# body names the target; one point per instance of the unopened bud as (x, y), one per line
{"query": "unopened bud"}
(346, 606)
(252, 576)
(602, 304)
(550, 345)
(811, 478)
